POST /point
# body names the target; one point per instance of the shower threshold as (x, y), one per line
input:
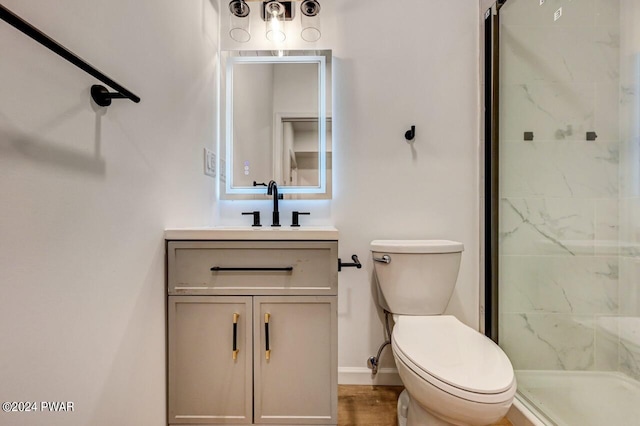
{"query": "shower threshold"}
(585, 398)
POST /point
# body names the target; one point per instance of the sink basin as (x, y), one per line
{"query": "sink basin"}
(249, 233)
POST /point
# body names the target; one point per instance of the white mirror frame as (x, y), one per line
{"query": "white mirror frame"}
(322, 124)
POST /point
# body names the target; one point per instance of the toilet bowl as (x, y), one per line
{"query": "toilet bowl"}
(453, 375)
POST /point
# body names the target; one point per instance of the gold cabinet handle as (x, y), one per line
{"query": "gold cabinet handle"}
(267, 354)
(235, 335)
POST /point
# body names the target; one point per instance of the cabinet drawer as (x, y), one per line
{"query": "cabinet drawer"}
(253, 267)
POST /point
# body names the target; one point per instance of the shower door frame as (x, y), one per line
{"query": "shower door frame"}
(491, 198)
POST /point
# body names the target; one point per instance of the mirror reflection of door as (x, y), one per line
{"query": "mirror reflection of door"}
(300, 150)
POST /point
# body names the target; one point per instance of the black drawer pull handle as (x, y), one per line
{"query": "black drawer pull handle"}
(235, 336)
(220, 268)
(267, 353)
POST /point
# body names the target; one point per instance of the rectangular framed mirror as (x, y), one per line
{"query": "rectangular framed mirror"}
(276, 123)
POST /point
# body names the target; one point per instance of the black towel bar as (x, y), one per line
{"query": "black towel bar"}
(100, 94)
(284, 268)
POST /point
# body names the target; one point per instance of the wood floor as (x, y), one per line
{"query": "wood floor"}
(372, 406)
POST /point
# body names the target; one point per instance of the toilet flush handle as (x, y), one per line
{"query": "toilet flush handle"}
(384, 259)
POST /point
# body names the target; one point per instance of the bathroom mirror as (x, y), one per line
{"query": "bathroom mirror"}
(276, 123)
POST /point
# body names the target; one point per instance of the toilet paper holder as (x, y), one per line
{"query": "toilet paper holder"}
(356, 263)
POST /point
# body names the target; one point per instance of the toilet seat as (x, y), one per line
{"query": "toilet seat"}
(454, 358)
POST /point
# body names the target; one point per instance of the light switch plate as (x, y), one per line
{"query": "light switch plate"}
(209, 163)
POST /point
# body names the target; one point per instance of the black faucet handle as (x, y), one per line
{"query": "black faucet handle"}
(259, 183)
(295, 218)
(256, 217)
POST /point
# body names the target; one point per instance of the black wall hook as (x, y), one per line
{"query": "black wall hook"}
(410, 134)
(102, 96)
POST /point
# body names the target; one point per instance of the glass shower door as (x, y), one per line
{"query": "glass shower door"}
(569, 214)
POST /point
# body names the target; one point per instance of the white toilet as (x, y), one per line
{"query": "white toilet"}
(453, 374)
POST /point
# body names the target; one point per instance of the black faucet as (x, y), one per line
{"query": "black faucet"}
(272, 189)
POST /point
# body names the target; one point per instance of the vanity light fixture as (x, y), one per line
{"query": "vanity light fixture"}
(239, 28)
(274, 16)
(309, 20)
(274, 13)
(310, 7)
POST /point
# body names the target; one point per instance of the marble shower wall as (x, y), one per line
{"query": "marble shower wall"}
(559, 260)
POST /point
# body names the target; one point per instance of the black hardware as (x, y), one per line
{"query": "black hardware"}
(283, 268)
(256, 217)
(267, 349)
(410, 134)
(491, 169)
(591, 136)
(356, 263)
(272, 189)
(100, 95)
(266, 336)
(294, 218)
(235, 336)
(528, 136)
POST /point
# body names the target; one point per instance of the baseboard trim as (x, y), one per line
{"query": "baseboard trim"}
(363, 376)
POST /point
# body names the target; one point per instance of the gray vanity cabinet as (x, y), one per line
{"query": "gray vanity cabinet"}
(206, 385)
(297, 384)
(285, 367)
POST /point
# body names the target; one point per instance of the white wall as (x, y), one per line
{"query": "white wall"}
(86, 194)
(416, 65)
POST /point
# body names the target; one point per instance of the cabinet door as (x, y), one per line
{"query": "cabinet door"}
(298, 383)
(206, 384)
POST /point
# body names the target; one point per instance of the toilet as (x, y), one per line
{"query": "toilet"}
(453, 375)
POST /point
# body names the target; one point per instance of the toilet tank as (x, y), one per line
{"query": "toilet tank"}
(420, 276)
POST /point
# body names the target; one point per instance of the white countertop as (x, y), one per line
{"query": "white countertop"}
(326, 233)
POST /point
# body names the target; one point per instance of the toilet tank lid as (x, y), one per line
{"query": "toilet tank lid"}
(416, 246)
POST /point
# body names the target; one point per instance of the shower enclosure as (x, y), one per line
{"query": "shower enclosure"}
(562, 171)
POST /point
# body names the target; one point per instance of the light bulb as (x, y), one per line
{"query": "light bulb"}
(275, 24)
(275, 33)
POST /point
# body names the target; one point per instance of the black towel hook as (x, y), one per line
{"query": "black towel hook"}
(410, 134)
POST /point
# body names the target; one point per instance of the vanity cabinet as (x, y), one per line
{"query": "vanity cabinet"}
(206, 385)
(298, 382)
(249, 342)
